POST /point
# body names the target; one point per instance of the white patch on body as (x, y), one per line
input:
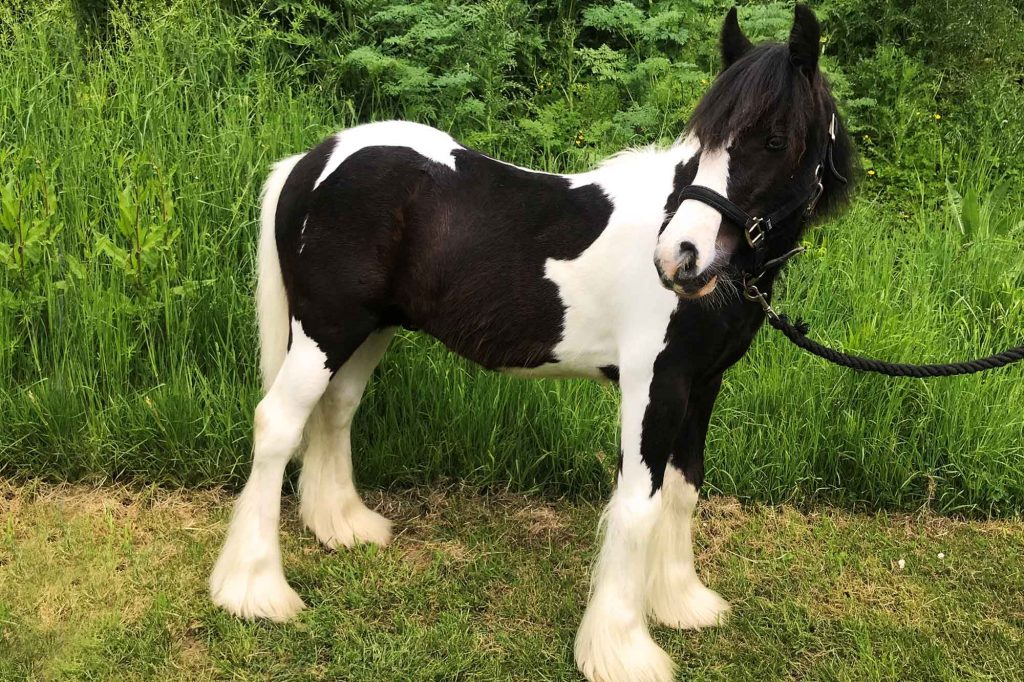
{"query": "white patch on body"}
(675, 595)
(429, 142)
(248, 578)
(694, 221)
(612, 290)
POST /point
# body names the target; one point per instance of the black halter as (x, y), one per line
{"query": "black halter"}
(758, 229)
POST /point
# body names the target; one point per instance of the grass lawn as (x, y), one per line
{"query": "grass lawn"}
(109, 583)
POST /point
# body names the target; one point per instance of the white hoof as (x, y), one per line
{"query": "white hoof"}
(253, 589)
(693, 608)
(341, 525)
(606, 653)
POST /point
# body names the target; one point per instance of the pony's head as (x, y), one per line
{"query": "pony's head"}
(769, 137)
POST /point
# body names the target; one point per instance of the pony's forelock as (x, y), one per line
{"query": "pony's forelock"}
(765, 87)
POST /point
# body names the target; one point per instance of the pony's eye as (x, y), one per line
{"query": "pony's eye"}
(775, 143)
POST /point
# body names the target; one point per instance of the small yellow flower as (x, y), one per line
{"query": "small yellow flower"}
(871, 171)
(703, 81)
(937, 117)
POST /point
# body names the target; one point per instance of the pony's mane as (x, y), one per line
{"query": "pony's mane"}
(764, 86)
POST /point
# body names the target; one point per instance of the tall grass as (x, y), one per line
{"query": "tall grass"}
(129, 356)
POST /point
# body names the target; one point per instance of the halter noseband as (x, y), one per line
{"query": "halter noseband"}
(757, 229)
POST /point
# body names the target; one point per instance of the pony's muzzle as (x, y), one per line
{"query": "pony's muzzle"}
(684, 277)
(697, 287)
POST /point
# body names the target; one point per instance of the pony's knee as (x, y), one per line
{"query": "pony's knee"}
(628, 522)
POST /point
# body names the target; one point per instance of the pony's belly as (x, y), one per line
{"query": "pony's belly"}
(579, 368)
(580, 353)
(555, 370)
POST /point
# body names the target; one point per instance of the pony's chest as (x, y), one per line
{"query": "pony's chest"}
(608, 294)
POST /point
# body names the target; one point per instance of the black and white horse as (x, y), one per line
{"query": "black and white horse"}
(395, 224)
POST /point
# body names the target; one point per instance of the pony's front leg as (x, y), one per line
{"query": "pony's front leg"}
(613, 644)
(675, 595)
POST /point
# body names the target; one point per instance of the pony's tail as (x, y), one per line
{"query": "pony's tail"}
(271, 300)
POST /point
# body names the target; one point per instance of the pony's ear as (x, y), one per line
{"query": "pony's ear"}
(805, 40)
(734, 43)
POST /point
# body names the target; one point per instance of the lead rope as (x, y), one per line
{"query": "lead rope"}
(797, 333)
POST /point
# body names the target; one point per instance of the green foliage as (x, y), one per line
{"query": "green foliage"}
(960, 37)
(28, 203)
(93, 19)
(925, 76)
(144, 220)
(131, 165)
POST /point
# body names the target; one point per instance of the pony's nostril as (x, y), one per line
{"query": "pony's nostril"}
(687, 259)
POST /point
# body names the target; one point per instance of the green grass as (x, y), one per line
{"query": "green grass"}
(128, 365)
(109, 583)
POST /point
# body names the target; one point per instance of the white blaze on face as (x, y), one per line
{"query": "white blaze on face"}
(695, 222)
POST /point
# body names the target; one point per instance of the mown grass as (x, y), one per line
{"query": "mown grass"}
(146, 369)
(109, 583)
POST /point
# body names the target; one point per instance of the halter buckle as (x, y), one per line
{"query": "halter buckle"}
(755, 232)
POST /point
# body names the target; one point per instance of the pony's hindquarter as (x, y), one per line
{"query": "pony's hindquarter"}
(303, 393)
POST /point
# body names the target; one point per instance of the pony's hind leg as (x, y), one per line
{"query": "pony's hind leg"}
(329, 503)
(248, 578)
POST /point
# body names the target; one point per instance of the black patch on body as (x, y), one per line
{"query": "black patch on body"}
(610, 372)
(701, 343)
(688, 448)
(393, 237)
